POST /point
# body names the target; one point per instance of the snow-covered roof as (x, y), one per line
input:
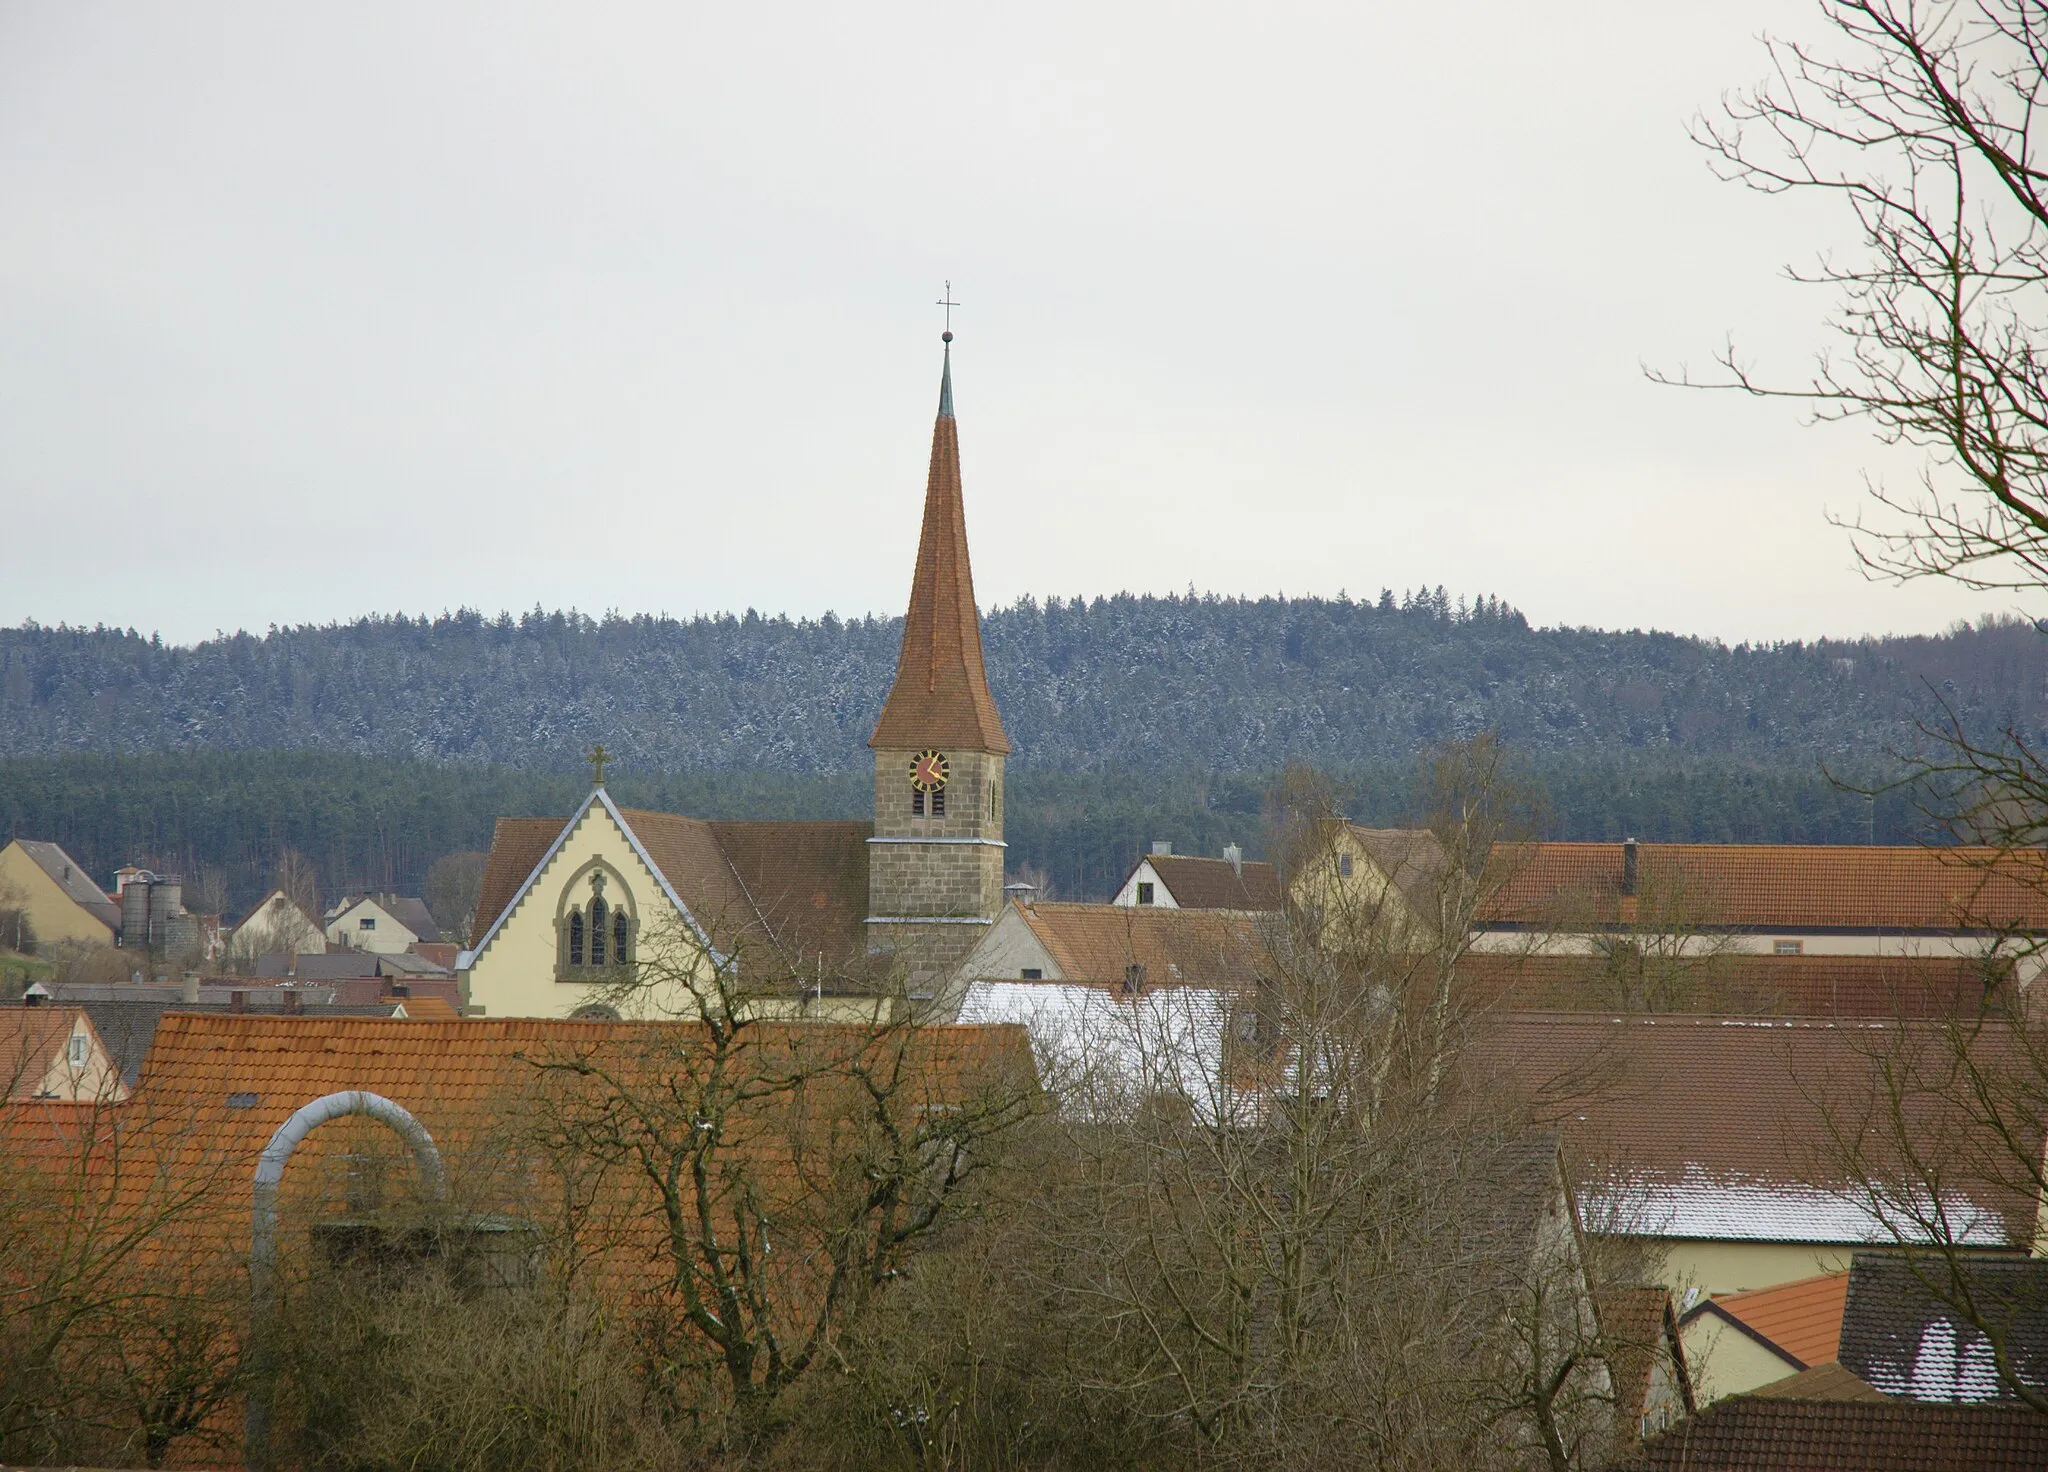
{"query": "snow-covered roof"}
(1734, 1208)
(1099, 1050)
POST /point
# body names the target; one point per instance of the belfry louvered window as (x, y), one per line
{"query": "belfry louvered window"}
(575, 937)
(600, 922)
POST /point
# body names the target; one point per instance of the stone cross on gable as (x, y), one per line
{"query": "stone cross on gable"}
(599, 758)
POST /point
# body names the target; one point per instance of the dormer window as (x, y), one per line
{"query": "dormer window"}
(1145, 892)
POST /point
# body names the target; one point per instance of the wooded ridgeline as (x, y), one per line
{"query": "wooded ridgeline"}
(1123, 684)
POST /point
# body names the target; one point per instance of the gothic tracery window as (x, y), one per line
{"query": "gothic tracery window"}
(595, 933)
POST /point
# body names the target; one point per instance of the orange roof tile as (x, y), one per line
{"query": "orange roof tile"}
(1739, 984)
(429, 1009)
(1803, 1318)
(1789, 886)
(941, 696)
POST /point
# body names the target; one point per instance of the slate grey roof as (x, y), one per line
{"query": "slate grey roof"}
(1900, 1335)
(407, 910)
(70, 876)
(343, 965)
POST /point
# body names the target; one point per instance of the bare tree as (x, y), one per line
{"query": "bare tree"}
(453, 883)
(118, 1329)
(791, 1170)
(294, 875)
(1919, 118)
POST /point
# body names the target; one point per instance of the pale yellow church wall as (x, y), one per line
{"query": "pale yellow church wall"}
(54, 915)
(1725, 1361)
(514, 976)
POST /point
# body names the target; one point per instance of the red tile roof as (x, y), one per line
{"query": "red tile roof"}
(517, 846)
(1217, 884)
(1097, 943)
(1636, 1325)
(217, 1086)
(1803, 1318)
(31, 1039)
(1747, 1433)
(1738, 984)
(1820, 1382)
(940, 696)
(800, 886)
(1677, 1100)
(1767, 886)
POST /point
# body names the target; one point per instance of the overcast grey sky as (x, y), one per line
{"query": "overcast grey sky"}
(308, 311)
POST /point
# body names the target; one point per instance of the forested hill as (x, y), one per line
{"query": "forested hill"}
(1124, 683)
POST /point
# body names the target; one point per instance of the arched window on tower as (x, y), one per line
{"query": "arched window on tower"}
(600, 923)
(619, 937)
(575, 937)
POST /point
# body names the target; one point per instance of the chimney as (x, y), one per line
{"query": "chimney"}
(1234, 856)
(188, 988)
(238, 1001)
(294, 1001)
(1628, 866)
(1134, 979)
(1161, 849)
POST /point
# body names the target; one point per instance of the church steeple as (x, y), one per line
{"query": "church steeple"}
(941, 696)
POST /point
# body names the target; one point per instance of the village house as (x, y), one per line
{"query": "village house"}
(277, 925)
(1769, 899)
(54, 1052)
(383, 924)
(1707, 1138)
(1173, 881)
(1738, 1342)
(56, 897)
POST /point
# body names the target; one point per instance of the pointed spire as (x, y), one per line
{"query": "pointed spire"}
(941, 695)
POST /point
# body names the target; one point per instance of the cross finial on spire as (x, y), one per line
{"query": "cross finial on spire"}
(599, 758)
(946, 300)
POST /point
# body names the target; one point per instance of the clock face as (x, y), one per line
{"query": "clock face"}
(929, 771)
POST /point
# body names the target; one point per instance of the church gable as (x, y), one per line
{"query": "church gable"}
(592, 896)
(560, 898)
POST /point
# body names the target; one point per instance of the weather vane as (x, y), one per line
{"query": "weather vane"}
(948, 303)
(599, 758)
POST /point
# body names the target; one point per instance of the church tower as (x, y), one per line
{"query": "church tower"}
(935, 868)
